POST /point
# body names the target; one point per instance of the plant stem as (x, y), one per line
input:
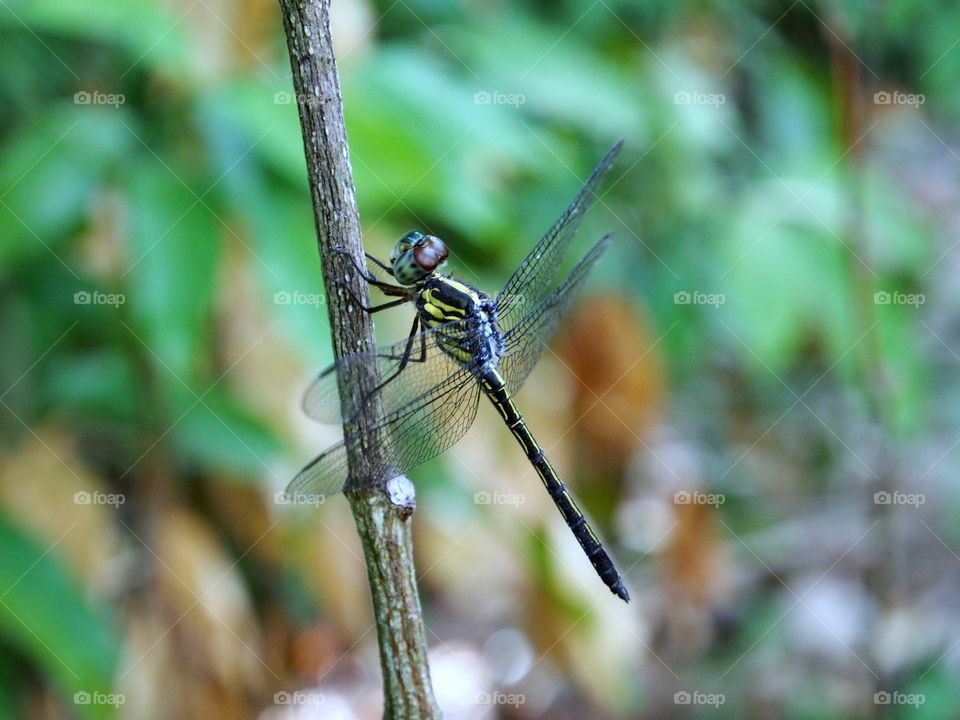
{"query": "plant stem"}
(383, 518)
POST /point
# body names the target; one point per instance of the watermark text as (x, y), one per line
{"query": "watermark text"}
(685, 297)
(84, 297)
(696, 497)
(495, 97)
(498, 498)
(84, 497)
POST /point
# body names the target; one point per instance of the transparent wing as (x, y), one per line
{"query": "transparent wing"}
(427, 366)
(532, 280)
(526, 341)
(413, 433)
(433, 403)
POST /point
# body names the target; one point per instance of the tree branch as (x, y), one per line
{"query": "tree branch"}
(382, 510)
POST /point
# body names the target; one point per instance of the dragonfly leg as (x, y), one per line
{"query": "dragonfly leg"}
(379, 263)
(369, 309)
(405, 359)
(369, 276)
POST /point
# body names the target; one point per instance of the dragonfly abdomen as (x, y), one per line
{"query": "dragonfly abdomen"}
(495, 389)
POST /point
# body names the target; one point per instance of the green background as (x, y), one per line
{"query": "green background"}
(773, 327)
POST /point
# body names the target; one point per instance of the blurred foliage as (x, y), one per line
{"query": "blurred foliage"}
(783, 276)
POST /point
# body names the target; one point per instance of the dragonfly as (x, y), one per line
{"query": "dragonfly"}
(463, 344)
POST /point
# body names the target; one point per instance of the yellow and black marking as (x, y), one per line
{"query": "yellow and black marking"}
(494, 388)
(444, 299)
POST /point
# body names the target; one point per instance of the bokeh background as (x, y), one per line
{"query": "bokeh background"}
(756, 400)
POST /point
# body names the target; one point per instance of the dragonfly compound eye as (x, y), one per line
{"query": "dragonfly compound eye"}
(431, 253)
(405, 245)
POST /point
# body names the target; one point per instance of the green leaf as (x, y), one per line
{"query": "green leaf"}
(150, 32)
(176, 243)
(98, 384)
(48, 171)
(279, 215)
(903, 366)
(410, 159)
(44, 613)
(787, 277)
(219, 435)
(796, 124)
(900, 244)
(260, 122)
(174, 246)
(405, 152)
(560, 77)
(290, 272)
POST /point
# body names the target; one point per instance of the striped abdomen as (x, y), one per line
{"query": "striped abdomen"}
(493, 386)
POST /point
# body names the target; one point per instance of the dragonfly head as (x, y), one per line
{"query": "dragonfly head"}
(417, 256)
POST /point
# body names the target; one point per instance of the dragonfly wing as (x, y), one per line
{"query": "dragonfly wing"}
(435, 422)
(526, 341)
(413, 433)
(426, 366)
(323, 476)
(535, 276)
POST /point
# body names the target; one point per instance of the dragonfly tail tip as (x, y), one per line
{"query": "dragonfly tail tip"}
(620, 591)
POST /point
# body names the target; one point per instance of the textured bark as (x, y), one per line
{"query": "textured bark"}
(382, 510)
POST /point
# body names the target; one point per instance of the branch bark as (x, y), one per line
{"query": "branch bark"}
(382, 510)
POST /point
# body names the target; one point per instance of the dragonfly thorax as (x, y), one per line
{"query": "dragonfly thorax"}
(444, 300)
(416, 257)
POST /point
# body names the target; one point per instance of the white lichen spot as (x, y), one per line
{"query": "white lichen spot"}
(401, 491)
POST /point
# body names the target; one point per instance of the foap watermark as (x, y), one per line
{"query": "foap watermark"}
(501, 698)
(495, 97)
(498, 498)
(84, 497)
(688, 97)
(896, 697)
(298, 697)
(283, 297)
(882, 497)
(85, 97)
(884, 97)
(882, 297)
(696, 497)
(98, 698)
(298, 498)
(84, 297)
(284, 97)
(685, 297)
(696, 697)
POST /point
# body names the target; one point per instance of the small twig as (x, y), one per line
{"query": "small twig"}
(382, 510)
